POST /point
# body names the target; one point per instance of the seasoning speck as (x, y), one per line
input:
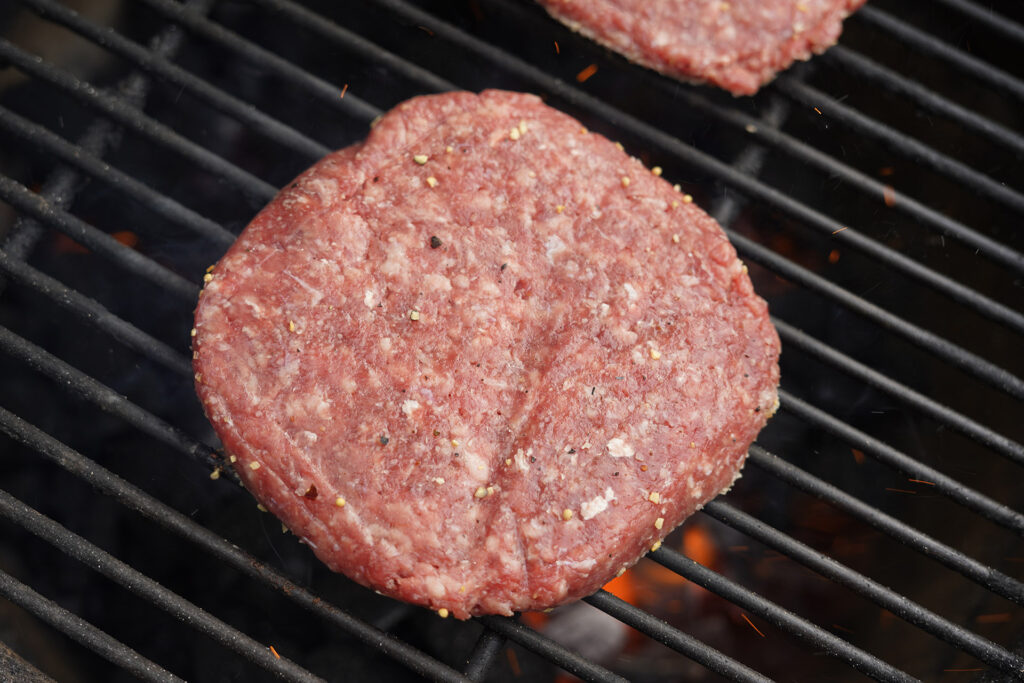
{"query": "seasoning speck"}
(384, 440)
(291, 326)
(420, 158)
(339, 501)
(431, 181)
(522, 127)
(514, 134)
(687, 199)
(657, 544)
(622, 570)
(443, 613)
(193, 332)
(438, 480)
(481, 492)
(435, 241)
(259, 506)
(414, 315)
(566, 514)
(655, 354)
(233, 459)
(675, 238)
(215, 475)
(659, 522)
(207, 277)
(254, 466)
(625, 181)
(655, 497)
(560, 208)
(656, 171)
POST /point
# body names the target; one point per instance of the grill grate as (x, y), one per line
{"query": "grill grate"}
(937, 346)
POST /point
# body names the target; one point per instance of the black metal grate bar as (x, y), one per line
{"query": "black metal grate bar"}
(871, 70)
(531, 640)
(327, 92)
(100, 134)
(941, 347)
(357, 44)
(930, 45)
(487, 647)
(797, 149)
(964, 495)
(989, 18)
(900, 143)
(145, 587)
(782, 618)
(671, 637)
(108, 38)
(107, 399)
(993, 580)
(74, 155)
(96, 314)
(169, 518)
(37, 207)
(999, 443)
(83, 632)
(258, 191)
(910, 611)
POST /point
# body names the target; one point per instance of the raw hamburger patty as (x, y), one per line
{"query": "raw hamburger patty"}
(738, 45)
(484, 360)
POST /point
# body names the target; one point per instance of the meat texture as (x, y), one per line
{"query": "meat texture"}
(485, 360)
(738, 45)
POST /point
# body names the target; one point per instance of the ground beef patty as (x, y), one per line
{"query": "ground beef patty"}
(738, 45)
(484, 360)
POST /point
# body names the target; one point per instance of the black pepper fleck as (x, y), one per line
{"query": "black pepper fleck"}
(435, 241)
(757, 409)
(384, 440)
(571, 451)
(504, 266)
(533, 459)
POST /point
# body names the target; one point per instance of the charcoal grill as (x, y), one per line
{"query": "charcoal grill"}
(876, 194)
